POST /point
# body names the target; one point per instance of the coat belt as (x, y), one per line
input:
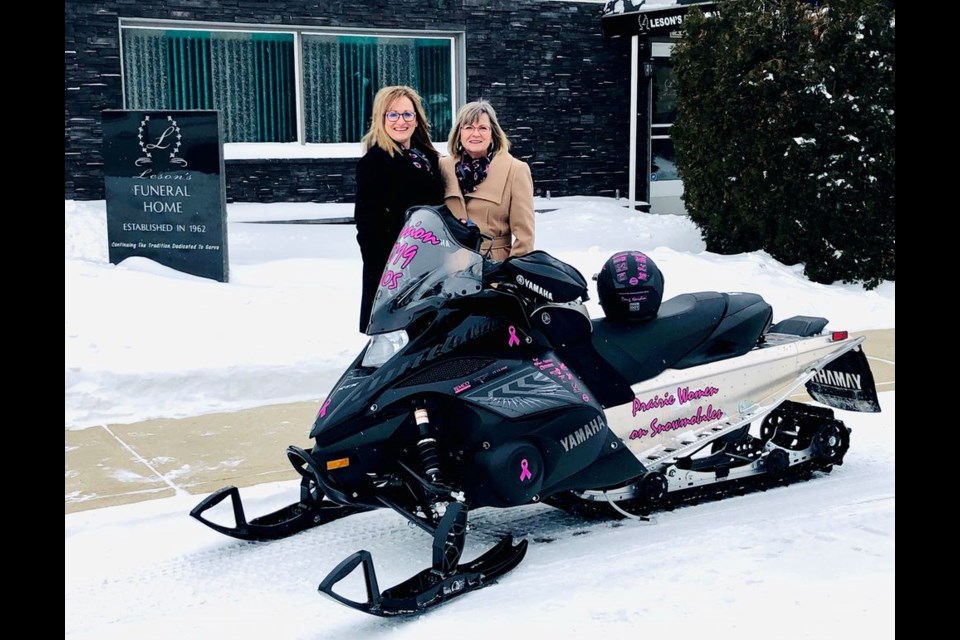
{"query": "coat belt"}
(499, 242)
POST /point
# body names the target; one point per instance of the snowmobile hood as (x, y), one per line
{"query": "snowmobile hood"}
(434, 260)
(349, 400)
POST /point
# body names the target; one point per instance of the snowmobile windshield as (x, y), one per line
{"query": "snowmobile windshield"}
(427, 266)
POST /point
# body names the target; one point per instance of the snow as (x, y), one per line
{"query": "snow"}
(812, 560)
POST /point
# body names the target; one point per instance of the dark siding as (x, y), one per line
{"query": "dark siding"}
(561, 91)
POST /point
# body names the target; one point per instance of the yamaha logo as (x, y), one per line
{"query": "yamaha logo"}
(583, 434)
(533, 286)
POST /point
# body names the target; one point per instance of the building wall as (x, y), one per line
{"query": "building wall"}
(560, 89)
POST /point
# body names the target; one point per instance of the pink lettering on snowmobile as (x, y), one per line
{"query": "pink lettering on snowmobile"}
(525, 470)
(390, 279)
(700, 416)
(417, 233)
(656, 402)
(685, 395)
(402, 251)
(560, 371)
(514, 340)
(405, 252)
(708, 415)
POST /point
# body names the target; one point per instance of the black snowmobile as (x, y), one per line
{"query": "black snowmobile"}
(486, 384)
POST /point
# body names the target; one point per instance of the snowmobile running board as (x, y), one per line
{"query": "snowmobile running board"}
(445, 580)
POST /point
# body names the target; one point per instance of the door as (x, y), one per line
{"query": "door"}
(666, 188)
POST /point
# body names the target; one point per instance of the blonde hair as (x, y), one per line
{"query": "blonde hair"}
(469, 114)
(377, 134)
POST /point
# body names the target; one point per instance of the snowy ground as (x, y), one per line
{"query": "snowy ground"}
(815, 560)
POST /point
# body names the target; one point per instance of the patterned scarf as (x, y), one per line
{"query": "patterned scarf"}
(472, 171)
(418, 159)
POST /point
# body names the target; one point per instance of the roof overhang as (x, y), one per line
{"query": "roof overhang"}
(621, 19)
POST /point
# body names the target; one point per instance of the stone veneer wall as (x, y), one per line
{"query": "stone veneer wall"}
(561, 91)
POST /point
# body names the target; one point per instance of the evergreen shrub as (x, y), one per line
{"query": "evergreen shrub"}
(785, 133)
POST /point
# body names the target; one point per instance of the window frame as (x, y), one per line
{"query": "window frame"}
(300, 148)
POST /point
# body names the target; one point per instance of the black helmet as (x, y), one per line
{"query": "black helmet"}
(630, 286)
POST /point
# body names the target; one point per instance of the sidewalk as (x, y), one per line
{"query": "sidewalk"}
(121, 464)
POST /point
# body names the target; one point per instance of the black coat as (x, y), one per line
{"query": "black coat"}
(386, 188)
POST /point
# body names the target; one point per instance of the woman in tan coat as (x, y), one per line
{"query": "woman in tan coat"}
(485, 184)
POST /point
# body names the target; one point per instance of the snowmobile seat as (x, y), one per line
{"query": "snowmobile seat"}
(747, 318)
(640, 351)
(689, 330)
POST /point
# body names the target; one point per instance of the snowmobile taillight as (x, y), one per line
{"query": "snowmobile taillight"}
(339, 463)
(837, 336)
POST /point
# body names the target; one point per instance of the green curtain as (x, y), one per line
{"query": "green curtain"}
(248, 76)
(434, 85)
(342, 74)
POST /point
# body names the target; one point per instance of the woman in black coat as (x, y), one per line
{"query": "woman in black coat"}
(399, 169)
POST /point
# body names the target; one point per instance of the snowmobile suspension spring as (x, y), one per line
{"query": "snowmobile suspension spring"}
(427, 446)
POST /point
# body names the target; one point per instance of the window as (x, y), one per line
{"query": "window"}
(343, 73)
(253, 77)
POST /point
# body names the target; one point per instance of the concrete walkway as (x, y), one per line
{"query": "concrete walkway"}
(125, 463)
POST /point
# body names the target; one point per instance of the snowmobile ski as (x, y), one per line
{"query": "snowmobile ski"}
(445, 580)
(312, 510)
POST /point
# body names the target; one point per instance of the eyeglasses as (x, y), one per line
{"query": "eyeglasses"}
(482, 129)
(408, 116)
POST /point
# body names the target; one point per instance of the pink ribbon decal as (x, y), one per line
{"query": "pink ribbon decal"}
(514, 340)
(323, 409)
(525, 471)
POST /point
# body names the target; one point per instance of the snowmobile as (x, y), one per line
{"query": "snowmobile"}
(487, 384)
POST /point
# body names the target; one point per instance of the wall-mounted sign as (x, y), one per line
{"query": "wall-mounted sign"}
(658, 20)
(165, 189)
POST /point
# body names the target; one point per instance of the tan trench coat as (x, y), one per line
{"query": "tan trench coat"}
(502, 205)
